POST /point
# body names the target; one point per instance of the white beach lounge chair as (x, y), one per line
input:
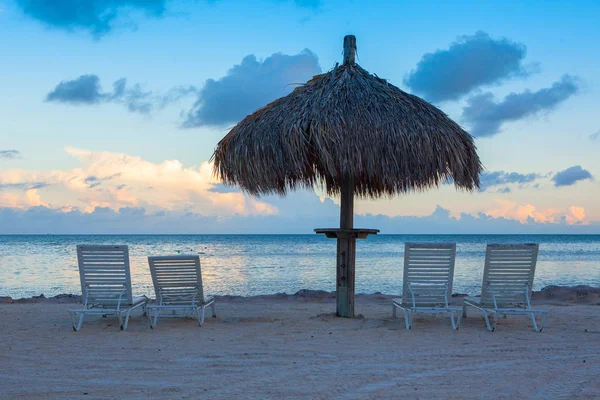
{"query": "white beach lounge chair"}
(105, 284)
(507, 282)
(427, 282)
(178, 285)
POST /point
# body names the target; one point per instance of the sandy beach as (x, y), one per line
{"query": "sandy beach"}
(291, 346)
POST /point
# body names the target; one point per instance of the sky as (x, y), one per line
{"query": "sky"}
(111, 110)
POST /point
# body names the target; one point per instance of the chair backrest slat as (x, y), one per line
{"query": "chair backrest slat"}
(177, 277)
(428, 267)
(103, 270)
(508, 268)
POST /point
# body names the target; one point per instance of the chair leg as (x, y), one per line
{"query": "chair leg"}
(542, 322)
(491, 327)
(408, 316)
(126, 319)
(455, 323)
(199, 315)
(394, 310)
(213, 306)
(77, 327)
(120, 317)
(464, 312)
(154, 319)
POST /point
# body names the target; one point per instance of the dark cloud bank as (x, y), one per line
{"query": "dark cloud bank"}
(499, 178)
(473, 62)
(571, 175)
(86, 90)
(469, 62)
(99, 17)
(486, 116)
(250, 85)
(9, 154)
(567, 177)
(244, 89)
(94, 16)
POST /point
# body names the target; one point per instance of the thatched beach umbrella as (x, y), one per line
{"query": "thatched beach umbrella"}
(356, 135)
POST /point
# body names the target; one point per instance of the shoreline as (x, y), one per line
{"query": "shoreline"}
(553, 294)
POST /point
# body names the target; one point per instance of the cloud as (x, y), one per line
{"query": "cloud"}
(9, 154)
(83, 90)
(528, 213)
(570, 176)
(250, 85)
(96, 17)
(486, 116)
(115, 180)
(86, 90)
(498, 178)
(469, 62)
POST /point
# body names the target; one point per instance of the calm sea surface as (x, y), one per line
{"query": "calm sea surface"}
(264, 264)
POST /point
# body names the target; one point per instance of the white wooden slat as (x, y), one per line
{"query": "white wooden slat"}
(175, 270)
(100, 253)
(513, 252)
(101, 270)
(428, 245)
(434, 255)
(177, 284)
(178, 264)
(511, 265)
(104, 258)
(105, 282)
(434, 273)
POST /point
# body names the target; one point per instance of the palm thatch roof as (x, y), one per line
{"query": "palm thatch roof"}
(347, 124)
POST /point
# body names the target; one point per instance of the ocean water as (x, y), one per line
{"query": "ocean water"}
(250, 265)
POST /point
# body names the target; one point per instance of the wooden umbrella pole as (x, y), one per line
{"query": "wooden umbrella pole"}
(346, 241)
(347, 205)
(346, 253)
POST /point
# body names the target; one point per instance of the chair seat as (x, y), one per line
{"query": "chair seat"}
(503, 309)
(441, 308)
(476, 301)
(207, 301)
(137, 301)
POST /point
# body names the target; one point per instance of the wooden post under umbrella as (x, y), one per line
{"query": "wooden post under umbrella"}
(346, 235)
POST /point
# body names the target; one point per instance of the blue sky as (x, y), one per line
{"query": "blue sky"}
(113, 109)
